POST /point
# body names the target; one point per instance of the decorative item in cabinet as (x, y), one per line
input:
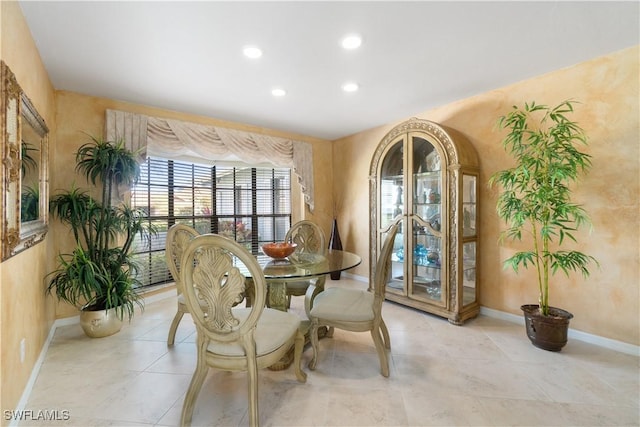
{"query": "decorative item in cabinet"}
(428, 175)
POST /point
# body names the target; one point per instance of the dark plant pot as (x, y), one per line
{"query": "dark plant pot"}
(546, 332)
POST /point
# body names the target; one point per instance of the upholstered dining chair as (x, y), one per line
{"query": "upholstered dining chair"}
(178, 236)
(310, 240)
(233, 338)
(357, 310)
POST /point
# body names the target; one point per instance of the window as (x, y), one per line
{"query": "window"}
(248, 204)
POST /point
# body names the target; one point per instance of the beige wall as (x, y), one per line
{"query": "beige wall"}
(605, 304)
(26, 313)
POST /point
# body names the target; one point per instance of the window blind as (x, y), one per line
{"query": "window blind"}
(248, 204)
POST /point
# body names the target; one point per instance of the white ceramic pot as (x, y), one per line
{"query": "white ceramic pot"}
(99, 323)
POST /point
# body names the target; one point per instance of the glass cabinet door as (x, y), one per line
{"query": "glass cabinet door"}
(392, 198)
(426, 223)
(469, 236)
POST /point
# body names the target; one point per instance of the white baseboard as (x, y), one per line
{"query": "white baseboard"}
(36, 368)
(502, 315)
(170, 292)
(356, 277)
(66, 321)
(620, 346)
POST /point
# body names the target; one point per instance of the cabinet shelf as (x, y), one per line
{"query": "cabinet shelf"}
(429, 290)
(395, 258)
(428, 174)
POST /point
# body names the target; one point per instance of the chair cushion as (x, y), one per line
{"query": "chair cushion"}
(181, 299)
(344, 305)
(274, 328)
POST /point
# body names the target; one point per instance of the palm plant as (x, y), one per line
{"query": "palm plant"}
(29, 203)
(536, 198)
(30, 196)
(100, 272)
(28, 161)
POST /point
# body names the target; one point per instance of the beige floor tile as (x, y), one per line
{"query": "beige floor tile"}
(514, 412)
(180, 359)
(425, 408)
(223, 401)
(286, 402)
(485, 373)
(78, 392)
(572, 383)
(363, 406)
(145, 399)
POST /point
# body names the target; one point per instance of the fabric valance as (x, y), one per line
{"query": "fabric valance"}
(180, 140)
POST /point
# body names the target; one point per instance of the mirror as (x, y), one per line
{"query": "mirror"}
(24, 158)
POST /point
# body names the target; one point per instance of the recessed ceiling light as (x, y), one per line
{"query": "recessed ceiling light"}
(351, 41)
(350, 87)
(252, 52)
(278, 92)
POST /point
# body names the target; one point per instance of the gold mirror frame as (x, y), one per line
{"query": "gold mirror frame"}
(16, 112)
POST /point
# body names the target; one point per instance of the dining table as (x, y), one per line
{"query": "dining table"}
(278, 272)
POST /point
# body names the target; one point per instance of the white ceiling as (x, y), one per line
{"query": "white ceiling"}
(187, 56)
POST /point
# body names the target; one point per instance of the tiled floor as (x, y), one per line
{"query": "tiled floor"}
(485, 373)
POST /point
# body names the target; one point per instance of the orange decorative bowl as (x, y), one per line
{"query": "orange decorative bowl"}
(279, 250)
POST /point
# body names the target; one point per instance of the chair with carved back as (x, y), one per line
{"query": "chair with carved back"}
(310, 240)
(178, 236)
(230, 337)
(357, 310)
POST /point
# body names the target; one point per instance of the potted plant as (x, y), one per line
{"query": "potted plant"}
(99, 275)
(535, 201)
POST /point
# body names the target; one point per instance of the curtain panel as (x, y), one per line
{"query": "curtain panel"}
(179, 140)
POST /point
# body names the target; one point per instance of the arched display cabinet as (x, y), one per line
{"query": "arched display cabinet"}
(428, 175)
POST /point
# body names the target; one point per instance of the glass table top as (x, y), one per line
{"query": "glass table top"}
(307, 265)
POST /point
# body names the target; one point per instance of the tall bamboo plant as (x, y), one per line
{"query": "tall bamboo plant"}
(536, 197)
(100, 273)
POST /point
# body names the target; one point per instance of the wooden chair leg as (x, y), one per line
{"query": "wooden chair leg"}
(313, 336)
(252, 374)
(385, 334)
(192, 393)
(174, 325)
(382, 352)
(297, 357)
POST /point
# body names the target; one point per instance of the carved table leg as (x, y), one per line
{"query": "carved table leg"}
(277, 295)
(277, 298)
